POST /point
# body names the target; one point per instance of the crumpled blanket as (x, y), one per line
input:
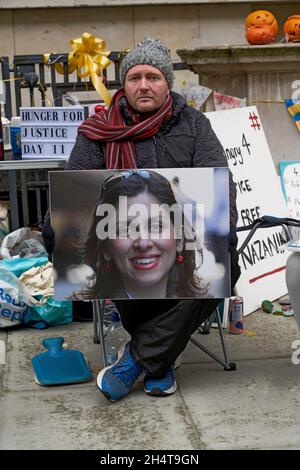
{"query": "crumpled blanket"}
(39, 280)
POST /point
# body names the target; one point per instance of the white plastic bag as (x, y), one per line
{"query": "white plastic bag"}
(18, 306)
(14, 299)
(23, 242)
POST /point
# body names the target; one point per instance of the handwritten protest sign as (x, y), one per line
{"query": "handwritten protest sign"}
(258, 193)
(290, 182)
(49, 132)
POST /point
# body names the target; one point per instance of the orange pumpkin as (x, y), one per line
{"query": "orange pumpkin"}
(260, 17)
(260, 34)
(291, 28)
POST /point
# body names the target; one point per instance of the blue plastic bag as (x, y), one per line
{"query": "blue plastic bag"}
(23, 308)
(18, 266)
(53, 312)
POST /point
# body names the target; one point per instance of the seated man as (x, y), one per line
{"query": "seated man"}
(149, 126)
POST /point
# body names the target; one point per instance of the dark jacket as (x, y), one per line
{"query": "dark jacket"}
(186, 140)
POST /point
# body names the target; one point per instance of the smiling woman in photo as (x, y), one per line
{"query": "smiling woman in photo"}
(144, 256)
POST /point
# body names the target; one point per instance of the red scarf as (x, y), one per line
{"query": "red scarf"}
(109, 125)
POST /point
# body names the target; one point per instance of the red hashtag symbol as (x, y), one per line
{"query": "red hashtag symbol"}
(254, 119)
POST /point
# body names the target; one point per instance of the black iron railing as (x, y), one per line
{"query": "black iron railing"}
(29, 72)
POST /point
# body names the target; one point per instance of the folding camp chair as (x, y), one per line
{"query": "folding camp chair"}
(99, 335)
(263, 222)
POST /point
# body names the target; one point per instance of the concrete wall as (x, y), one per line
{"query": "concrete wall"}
(38, 30)
(15, 4)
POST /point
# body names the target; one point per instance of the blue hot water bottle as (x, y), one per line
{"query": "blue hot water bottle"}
(59, 366)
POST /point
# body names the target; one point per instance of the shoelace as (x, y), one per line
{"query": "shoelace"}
(127, 372)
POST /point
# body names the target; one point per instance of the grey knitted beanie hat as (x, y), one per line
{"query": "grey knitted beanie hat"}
(149, 51)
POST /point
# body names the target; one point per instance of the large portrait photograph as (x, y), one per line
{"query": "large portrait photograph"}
(147, 234)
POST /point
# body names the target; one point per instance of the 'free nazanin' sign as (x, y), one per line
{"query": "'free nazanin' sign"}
(259, 193)
(49, 132)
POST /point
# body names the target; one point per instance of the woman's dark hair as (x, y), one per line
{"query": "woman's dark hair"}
(182, 280)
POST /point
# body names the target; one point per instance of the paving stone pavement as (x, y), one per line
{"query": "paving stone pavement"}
(255, 407)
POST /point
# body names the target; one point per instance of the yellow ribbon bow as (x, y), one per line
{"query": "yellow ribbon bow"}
(90, 55)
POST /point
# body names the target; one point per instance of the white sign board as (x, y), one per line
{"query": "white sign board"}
(49, 132)
(258, 193)
(290, 181)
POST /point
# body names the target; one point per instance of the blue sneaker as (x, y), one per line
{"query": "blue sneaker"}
(117, 380)
(160, 387)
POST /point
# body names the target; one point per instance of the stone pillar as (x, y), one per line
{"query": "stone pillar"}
(259, 73)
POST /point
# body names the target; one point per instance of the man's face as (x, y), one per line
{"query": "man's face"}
(146, 88)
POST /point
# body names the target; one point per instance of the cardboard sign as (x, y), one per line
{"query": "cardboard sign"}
(258, 193)
(49, 132)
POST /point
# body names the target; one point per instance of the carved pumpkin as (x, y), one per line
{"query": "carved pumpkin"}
(260, 34)
(291, 28)
(260, 17)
